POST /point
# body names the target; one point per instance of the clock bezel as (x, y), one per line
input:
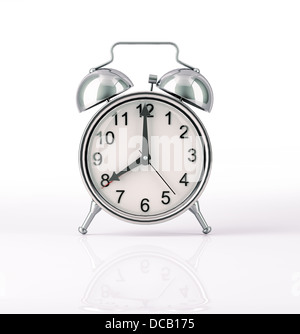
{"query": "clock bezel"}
(143, 219)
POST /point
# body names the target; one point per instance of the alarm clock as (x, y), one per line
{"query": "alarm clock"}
(145, 157)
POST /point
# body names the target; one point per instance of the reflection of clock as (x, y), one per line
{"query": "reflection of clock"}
(145, 157)
(145, 279)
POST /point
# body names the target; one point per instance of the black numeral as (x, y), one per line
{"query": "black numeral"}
(193, 154)
(169, 117)
(184, 180)
(125, 115)
(165, 198)
(144, 205)
(97, 158)
(105, 182)
(121, 194)
(150, 108)
(186, 129)
(109, 137)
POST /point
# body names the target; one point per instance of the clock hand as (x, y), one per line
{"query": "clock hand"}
(145, 146)
(116, 176)
(160, 175)
(162, 178)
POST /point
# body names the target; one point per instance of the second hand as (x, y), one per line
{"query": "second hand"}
(160, 176)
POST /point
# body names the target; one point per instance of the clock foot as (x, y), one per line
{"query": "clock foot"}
(94, 209)
(195, 209)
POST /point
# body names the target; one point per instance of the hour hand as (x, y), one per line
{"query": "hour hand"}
(116, 176)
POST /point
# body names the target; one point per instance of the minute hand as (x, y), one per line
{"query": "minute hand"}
(116, 177)
(145, 146)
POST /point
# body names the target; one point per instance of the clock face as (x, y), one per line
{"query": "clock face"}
(145, 157)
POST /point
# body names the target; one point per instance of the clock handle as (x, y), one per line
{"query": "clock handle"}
(94, 209)
(195, 209)
(145, 43)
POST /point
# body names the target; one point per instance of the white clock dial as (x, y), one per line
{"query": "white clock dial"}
(145, 157)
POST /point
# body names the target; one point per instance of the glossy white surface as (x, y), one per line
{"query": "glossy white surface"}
(46, 266)
(249, 52)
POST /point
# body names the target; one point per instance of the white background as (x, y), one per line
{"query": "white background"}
(249, 51)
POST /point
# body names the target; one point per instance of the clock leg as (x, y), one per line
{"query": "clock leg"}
(94, 209)
(195, 209)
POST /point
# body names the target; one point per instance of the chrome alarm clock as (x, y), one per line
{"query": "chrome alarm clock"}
(145, 157)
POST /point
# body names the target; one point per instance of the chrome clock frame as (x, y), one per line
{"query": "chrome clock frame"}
(190, 202)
